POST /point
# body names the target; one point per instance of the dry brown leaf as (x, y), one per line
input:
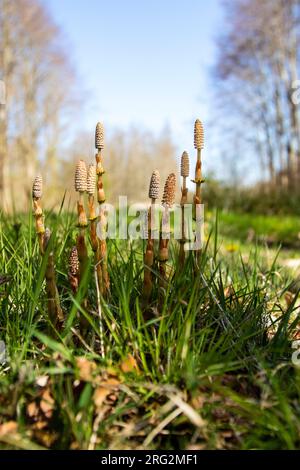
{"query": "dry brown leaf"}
(32, 409)
(47, 439)
(8, 428)
(47, 404)
(74, 446)
(40, 425)
(99, 396)
(129, 365)
(103, 391)
(86, 369)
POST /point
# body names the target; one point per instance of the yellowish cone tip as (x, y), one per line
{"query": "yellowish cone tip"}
(185, 165)
(154, 185)
(198, 135)
(168, 198)
(99, 136)
(81, 177)
(91, 179)
(37, 188)
(74, 262)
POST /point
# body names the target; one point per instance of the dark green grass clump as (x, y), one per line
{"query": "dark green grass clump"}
(210, 368)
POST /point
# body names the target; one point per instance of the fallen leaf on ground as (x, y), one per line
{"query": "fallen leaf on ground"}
(8, 428)
(32, 409)
(86, 369)
(47, 404)
(104, 390)
(129, 364)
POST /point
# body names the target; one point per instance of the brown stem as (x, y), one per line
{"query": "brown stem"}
(80, 243)
(149, 257)
(82, 249)
(93, 234)
(83, 262)
(92, 209)
(54, 309)
(163, 255)
(103, 263)
(198, 176)
(82, 253)
(100, 171)
(74, 282)
(82, 220)
(53, 303)
(39, 222)
(197, 198)
(102, 271)
(184, 192)
(103, 253)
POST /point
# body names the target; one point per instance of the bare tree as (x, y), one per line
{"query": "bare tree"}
(257, 65)
(39, 81)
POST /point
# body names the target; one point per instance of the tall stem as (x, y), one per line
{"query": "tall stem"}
(183, 201)
(197, 199)
(102, 271)
(82, 249)
(149, 256)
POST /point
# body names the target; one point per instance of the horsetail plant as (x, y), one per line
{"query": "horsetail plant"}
(168, 200)
(199, 145)
(91, 185)
(149, 254)
(53, 303)
(102, 272)
(81, 188)
(184, 172)
(37, 192)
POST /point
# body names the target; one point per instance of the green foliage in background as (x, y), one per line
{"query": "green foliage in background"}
(259, 199)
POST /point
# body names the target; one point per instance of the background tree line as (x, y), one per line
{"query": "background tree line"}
(256, 70)
(42, 103)
(257, 115)
(39, 92)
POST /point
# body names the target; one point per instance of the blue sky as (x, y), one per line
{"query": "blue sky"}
(143, 63)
